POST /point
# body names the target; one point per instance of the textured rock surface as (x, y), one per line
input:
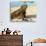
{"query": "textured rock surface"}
(11, 40)
(39, 40)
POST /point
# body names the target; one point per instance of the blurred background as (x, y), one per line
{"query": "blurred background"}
(30, 30)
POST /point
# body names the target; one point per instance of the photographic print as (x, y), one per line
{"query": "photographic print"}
(23, 11)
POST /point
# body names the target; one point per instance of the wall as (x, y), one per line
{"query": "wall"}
(30, 30)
